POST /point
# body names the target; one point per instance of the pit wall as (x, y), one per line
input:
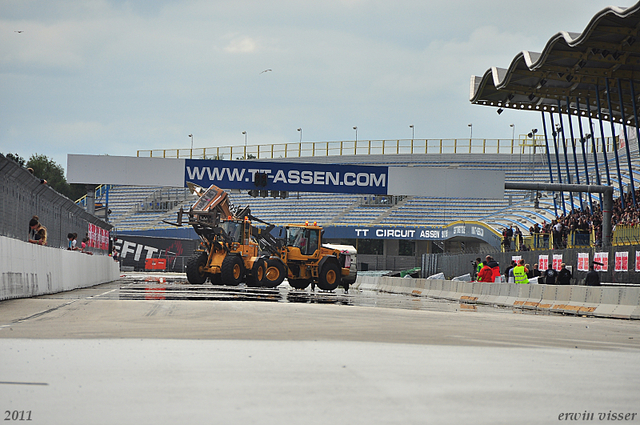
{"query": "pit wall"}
(594, 301)
(28, 270)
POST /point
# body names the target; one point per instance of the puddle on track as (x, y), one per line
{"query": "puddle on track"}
(180, 290)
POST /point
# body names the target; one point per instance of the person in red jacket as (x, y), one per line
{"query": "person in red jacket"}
(485, 274)
(493, 266)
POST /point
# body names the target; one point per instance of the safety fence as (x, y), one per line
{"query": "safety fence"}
(593, 301)
(23, 196)
(301, 149)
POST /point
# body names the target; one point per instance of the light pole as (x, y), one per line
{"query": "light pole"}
(513, 132)
(300, 130)
(356, 129)
(191, 135)
(470, 131)
(245, 138)
(413, 132)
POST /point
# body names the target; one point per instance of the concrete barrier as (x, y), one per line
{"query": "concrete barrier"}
(563, 294)
(465, 293)
(548, 297)
(629, 301)
(613, 302)
(608, 302)
(577, 300)
(450, 290)
(29, 270)
(523, 295)
(535, 296)
(503, 294)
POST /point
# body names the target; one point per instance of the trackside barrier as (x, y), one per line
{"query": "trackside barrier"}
(503, 294)
(548, 297)
(28, 270)
(450, 289)
(535, 296)
(629, 301)
(603, 301)
(608, 302)
(522, 296)
(592, 301)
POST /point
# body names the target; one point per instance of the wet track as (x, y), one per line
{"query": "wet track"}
(178, 289)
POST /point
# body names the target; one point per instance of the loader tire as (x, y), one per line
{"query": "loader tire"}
(299, 283)
(329, 277)
(195, 265)
(258, 272)
(215, 279)
(275, 273)
(232, 270)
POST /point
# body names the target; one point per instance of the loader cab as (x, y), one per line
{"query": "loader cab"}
(239, 236)
(305, 238)
(238, 231)
(234, 230)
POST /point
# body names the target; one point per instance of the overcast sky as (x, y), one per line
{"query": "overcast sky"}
(113, 77)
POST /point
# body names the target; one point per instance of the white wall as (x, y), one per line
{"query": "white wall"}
(28, 269)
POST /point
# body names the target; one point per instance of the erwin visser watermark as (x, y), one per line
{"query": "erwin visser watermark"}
(597, 416)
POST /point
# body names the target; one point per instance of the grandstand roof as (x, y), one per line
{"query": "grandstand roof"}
(572, 65)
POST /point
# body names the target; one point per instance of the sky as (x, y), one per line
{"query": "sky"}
(114, 77)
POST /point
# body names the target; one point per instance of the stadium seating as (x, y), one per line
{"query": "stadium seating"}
(515, 208)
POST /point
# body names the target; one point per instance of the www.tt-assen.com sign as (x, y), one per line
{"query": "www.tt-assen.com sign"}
(288, 176)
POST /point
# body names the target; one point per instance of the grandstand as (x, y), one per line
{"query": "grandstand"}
(141, 209)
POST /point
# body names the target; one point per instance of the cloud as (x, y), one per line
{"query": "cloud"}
(242, 44)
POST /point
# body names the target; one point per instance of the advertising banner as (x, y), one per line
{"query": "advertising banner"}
(285, 176)
(622, 262)
(136, 250)
(583, 261)
(603, 258)
(98, 238)
(543, 262)
(557, 261)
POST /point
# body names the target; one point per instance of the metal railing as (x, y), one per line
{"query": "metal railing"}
(626, 235)
(364, 147)
(545, 241)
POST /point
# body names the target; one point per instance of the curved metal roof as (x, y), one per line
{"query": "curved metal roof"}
(575, 66)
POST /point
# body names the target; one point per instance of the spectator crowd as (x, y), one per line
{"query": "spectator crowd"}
(578, 221)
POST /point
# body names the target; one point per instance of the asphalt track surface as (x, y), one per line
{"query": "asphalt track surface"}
(140, 351)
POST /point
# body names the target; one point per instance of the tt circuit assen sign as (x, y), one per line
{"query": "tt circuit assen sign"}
(458, 229)
(288, 176)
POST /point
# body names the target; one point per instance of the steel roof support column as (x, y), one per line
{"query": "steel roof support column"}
(615, 145)
(606, 219)
(584, 153)
(546, 142)
(555, 146)
(604, 143)
(626, 144)
(594, 148)
(573, 146)
(564, 148)
(635, 113)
